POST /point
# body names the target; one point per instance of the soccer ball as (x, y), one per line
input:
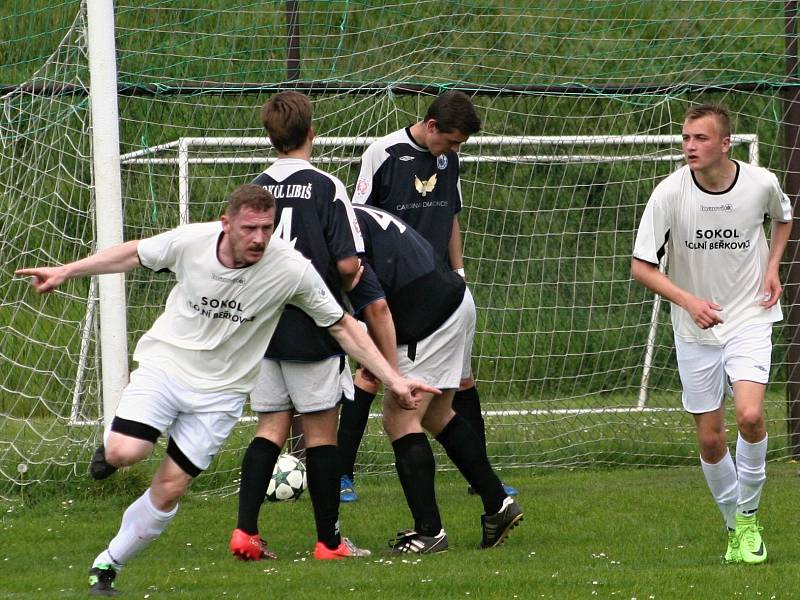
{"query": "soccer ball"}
(288, 479)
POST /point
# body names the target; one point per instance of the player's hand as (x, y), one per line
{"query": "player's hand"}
(356, 278)
(772, 290)
(45, 279)
(705, 314)
(408, 393)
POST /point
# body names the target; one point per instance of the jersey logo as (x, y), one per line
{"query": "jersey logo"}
(441, 162)
(423, 187)
(718, 208)
(406, 158)
(362, 186)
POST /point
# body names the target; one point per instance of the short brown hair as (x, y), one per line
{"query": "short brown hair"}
(454, 110)
(287, 118)
(252, 196)
(712, 110)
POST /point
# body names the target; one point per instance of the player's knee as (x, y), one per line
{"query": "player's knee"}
(712, 446)
(165, 492)
(119, 455)
(750, 422)
(434, 421)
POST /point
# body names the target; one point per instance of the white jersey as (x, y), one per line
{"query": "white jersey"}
(717, 247)
(218, 321)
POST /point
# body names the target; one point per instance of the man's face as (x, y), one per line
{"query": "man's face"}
(247, 233)
(704, 146)
(439, 143)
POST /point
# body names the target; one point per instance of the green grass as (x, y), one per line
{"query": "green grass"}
(624, 533)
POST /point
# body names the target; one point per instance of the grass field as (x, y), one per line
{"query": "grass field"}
(625, 533)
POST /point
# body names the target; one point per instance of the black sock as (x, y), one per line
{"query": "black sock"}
(469, 455)
(467, 404)
(323, 486)
(416, 468)
(352, 423)
(257, 465)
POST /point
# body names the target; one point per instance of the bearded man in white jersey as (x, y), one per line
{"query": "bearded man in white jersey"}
(200, 359)
(724, 286)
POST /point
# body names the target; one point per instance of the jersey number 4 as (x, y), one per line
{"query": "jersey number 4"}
(284, 228)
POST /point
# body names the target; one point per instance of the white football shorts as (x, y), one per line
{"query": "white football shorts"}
(306, 387)
(198, 422)
(443, 358)
(706, 370)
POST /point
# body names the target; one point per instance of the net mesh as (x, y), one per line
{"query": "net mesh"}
(548, 221)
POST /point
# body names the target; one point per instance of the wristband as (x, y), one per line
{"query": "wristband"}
(461, 272)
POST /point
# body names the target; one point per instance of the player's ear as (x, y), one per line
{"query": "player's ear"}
(226, 222)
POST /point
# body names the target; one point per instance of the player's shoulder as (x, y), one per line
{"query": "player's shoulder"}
(328, 181)
(760, 175)
(390, 144)
(672, 185)
(196, 232)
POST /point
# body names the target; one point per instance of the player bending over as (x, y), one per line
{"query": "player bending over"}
(197, 363)
(724, 286)
(433, 316)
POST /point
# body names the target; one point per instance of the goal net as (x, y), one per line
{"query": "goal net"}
(574, 361)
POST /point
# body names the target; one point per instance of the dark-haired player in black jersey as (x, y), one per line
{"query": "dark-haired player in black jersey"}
(414, 173)
(304, 369)
(433, 313)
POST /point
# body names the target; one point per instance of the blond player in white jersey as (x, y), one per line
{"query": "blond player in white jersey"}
(201, 357)
(724, 287)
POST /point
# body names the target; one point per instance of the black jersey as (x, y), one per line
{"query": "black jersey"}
(422, 292)
(314, 215)
(404, 178)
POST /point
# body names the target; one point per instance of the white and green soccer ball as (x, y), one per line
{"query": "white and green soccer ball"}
(288, 479)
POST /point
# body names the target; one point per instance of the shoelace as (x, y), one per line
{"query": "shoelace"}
(748, 534)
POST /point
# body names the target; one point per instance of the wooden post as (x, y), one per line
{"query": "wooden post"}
(791, 138)
(292, 40)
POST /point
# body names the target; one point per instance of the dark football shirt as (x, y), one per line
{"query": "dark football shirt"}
(314, 214)
(401, 266)
(405, 179)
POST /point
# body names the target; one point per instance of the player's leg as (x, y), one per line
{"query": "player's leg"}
(466, 401)
(751, 456)
(352, 424)
(703, 379)
(142, 522)
(416, 468)
(270, 400)
(316, 390)
(748, 356)
(464, 448)
(194, 440)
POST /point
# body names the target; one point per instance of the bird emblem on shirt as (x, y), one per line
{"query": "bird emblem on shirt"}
(423, 187)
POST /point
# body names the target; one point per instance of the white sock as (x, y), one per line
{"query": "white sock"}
(141, 524)
(751, 463)
(724, 485)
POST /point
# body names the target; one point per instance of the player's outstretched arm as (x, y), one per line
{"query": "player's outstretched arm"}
(116, 259)
(705, 314)
(355, 341)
